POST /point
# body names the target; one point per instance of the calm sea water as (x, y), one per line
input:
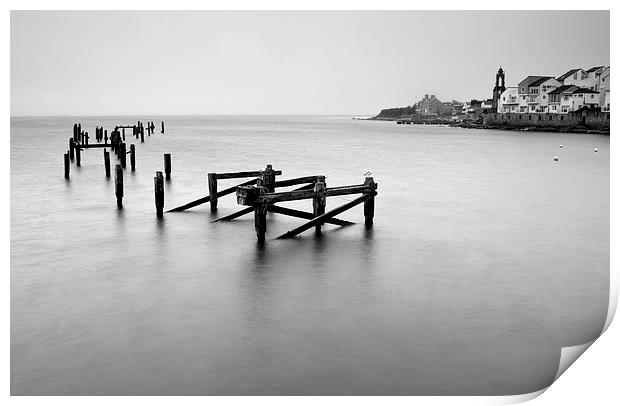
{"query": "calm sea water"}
(485, 259)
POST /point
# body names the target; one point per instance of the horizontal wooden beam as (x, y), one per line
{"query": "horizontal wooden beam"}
(295, 181)
(205, 199)
(270, 198)
(304, 215)
(323, 217)
(233, 175)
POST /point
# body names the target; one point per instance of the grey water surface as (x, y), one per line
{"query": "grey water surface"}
(486, 258)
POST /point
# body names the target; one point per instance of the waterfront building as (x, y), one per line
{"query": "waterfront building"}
(472, 107)
(533, 93)
(582, 78)
(604, 88)
(585, 98)
(523, 91)
(568, 98)
(487, 106)
(560, 99)
(594, 75)
(432, 106)
(508, 101)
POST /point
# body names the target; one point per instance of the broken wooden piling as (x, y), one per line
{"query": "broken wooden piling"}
(122, 154)
(78, 155)
(67, 165)
(118, 186)
(369, 204)
(167, 165)
(318, 202)
(106, 163)
(159, 193)
(132, 157)
(162, 127)
(71, 148)
(212, 181)
(260, 218)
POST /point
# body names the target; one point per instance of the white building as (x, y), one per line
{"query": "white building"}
(523, 94)
(594, 74)
(585, 98)
(533, 93)
(560, 99)
(577, 77)
(589, 79)
(508, 101)
(604, 89)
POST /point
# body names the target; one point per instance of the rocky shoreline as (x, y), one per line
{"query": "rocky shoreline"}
(549, 129)
(480, 125)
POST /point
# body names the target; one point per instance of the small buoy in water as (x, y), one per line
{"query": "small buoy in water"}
(595, 149)
(556, 159)
(561, 145)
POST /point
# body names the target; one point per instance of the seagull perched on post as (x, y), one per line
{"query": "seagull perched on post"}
(368, 173)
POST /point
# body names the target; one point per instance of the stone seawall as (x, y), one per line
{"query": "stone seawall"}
(584, 119)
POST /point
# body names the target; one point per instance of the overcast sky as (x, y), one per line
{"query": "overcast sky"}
(105, 63)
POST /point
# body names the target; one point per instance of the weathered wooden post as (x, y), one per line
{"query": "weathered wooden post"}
(74, 130)
(86, 138)
(369, 205)
(79, 132)
(167, 165)
(71, 148)
(268, 178)
(123, 133)
(141, 136)
(212, 179)
(67, 165)
(78, 155)
(260, 218)
(118, 186)
(122, 154)
(159, 193)
(132, 156)
(319, 201)
(162, 127)
(106, 162)
(105, 137)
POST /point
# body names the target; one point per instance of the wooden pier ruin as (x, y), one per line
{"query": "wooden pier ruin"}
(259, 193)
(79, 142)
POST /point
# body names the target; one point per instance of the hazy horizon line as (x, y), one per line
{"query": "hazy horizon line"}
(196, 115)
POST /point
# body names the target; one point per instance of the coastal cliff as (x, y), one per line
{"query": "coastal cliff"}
(394, 113)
